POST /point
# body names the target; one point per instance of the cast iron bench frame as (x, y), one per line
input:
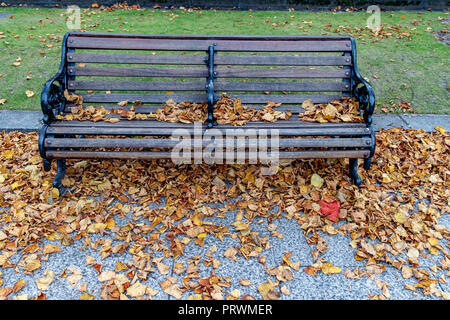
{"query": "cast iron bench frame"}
(57, 137)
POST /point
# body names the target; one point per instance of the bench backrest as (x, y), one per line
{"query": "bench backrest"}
(155, 68)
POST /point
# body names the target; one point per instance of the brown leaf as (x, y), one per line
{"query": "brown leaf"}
(19, 285)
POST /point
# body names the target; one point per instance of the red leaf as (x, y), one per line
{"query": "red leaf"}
(330, 210)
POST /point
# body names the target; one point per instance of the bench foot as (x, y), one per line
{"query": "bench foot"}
(353, 172)
(211, 122)
(60, 172)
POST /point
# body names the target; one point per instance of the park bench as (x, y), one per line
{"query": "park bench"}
(107, 68)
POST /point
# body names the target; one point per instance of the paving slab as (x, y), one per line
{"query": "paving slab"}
(4, 15)
(20, 120)
(426, 122)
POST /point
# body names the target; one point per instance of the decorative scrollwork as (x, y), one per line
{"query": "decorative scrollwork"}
(52, 98)
(364, 93)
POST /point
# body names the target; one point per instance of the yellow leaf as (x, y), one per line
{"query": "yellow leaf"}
(434, 251)
(137, 289)
(346, 118)
(44, 282)
(32, 265)
(328, 268)
(400, 217)
(308, 104)
(316, 181)
(54, 192)
(29, 93)
(235, 293)
(200, 239)
(268, 292)
(197, 221)
(330, 111)
(433, 241)
(86, 296)
(8, 154)
(2, 101)
(440, 129)
(120, 266)
(110, 223)
(112, 120)
(51, 248)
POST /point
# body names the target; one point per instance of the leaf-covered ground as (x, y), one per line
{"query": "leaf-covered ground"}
(404, 61)
(143, 215)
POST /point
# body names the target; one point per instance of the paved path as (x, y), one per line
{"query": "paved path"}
(27, 121)
(304, 286)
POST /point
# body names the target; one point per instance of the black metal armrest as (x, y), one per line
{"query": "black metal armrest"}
(362, 90)
(52, 95)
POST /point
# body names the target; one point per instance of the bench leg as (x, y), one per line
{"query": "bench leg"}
(47, 164)
(60, 172)
(367, 163)
(353, 172)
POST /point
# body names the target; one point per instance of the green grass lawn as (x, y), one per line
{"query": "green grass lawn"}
(413, 68)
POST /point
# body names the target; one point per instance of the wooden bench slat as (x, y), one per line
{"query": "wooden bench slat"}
(139, 72)
(155, 131)
(293, 108)
(168, 143)
(208, 36)
(138, 85)
(194, 59)
(288, 98)
(200, 86)
(280, 86)
(175, 59)
(200, 45)
(149, 155)
(281, 73)
(202, 72)
(198, 98)
(282, 60)
(145, 98)
(294, 122)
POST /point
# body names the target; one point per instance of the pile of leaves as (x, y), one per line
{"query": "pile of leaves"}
(229, 111)
(184, 112)
(343, 110)
(403, 106)
(392, 220)
(384, 32)
(226, 111)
